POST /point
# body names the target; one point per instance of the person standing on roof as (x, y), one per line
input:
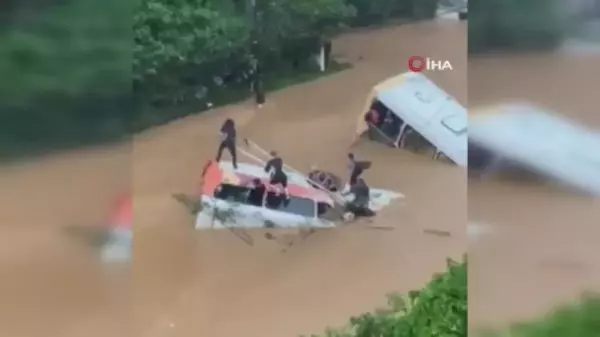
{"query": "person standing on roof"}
(274, 167)
(275, 164)
(356, 168)
(228, 141)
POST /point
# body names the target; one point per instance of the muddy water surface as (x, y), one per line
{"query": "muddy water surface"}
(187, 283)
(215, 285)
(52, 284)
(542, 249)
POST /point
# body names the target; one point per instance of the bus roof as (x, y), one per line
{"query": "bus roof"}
(214, 176)
(544, 141)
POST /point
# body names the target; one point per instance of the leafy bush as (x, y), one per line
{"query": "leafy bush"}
(578, 320)
(65, 72)
(184, 45)
(515, 25)
(188, 50)
(437, 310)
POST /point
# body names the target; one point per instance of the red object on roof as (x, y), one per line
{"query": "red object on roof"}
(122, 215)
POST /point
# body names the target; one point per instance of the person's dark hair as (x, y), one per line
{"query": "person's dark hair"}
(229, 123)
(273, 153)
(351, 155)
(256, 181)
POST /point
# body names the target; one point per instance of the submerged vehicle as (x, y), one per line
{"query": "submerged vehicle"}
(227, 201)
(529, 138)
(410, 111)
(118, 232)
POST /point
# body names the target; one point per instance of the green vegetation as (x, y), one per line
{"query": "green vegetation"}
(500, 25)
(65, 72)
(74, 71)
(440, 310)
(578, 320)
(216, 61)
(437, 310)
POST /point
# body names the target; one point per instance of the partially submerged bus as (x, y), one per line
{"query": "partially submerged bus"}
(119, 234)
(413, 112)
(227, 203)
(528, 137)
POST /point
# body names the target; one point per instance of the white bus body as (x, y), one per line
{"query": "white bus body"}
(431, 112)
(550, 145)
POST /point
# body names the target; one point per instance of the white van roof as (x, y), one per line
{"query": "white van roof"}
(552, 145)
(431, 111)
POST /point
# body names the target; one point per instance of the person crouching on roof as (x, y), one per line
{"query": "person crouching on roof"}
(228, 139)
(274, 167)
(257, 192)
(359, 206)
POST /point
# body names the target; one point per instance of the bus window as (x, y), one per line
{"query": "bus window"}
(323, 208)
(232, 193)
(256, 196)
(293, 205)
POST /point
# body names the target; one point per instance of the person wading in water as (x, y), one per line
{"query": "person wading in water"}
(228, 141)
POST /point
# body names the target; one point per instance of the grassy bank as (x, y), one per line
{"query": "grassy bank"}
(580, 319)
(110, 88)
(118, 129)
(440, 309)
(153, 116)
(437, 310)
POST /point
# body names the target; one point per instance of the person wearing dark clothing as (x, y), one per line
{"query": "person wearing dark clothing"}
(362, 197)
(260, 94)
(279, 177)
(259, 90)
(327, 46)
(356, 168)
(228, 141)
(275, 164)
(389, 127)
(257, 193)
(275, 169)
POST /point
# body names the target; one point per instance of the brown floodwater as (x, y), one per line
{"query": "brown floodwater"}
(542, 246)
(209, 283)
(212, 284)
